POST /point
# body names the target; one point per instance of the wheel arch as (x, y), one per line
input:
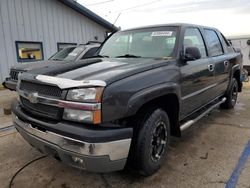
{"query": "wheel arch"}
(164, 96)
(236, 73)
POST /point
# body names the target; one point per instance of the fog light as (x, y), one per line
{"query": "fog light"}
(77, 159)
(82, 116)
(78, 115)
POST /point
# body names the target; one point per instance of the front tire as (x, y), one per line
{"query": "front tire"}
(152, 141)
(231, 96)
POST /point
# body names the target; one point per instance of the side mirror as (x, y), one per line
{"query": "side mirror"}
(191, 54)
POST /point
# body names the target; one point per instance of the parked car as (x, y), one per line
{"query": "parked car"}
(121, 106)
(67, 54)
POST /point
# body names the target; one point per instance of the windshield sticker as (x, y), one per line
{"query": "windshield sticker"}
(72, 54)
(162, 33)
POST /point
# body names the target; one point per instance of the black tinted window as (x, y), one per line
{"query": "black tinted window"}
(90, 52)
(214, 44)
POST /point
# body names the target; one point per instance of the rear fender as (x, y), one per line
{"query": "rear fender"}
(234, 69)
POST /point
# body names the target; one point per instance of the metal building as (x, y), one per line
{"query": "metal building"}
(32, 30)
(243, 43)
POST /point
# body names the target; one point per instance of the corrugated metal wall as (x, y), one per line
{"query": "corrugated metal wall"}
(46, 21)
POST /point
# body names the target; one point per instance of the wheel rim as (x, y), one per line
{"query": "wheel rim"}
(158, 141)
(234, 94)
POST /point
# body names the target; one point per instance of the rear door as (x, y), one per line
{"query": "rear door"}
(220, 61)
(196, 77)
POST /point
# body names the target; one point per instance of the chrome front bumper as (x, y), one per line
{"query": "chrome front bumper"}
(97, 157)
(10, 84)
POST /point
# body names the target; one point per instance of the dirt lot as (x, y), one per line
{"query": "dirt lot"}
(212, 153)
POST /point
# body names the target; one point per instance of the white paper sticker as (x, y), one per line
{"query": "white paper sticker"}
(72, 54)
(162, 33)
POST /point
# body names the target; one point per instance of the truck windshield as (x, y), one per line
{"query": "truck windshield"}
(141, 43)
(69, 53)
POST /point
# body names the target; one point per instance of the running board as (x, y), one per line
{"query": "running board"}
(191, 122)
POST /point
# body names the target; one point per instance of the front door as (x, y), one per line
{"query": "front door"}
(196, 76)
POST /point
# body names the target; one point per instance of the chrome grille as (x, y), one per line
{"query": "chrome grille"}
(46, 90)
(38, 109)
(14, 74)
(41, 109)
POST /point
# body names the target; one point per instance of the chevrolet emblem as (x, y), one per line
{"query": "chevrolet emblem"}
(33, 97)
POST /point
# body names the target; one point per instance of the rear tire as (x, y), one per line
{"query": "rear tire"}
(231, 96)
(151, 141)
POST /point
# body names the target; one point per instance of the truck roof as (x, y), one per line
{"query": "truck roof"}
(170, 24)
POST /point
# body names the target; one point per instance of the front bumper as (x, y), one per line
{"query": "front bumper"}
(10, 84)
(91, 156)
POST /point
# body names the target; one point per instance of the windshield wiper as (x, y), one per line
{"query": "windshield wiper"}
(128, 56)
(57, 59)
(99, 56)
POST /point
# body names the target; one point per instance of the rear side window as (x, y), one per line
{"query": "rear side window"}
(227, 44)
(214, 44)
(225, 40)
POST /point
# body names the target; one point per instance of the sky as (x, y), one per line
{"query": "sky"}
(231, 17)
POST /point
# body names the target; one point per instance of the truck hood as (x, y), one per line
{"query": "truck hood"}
(37, 65)
(105, 69)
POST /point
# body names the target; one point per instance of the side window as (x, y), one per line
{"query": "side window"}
(226, 43)
(214, 44)
(193, 38)
(225, 40)
(90, 52)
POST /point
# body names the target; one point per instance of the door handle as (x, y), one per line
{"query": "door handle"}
(211, 67)
(226, 63)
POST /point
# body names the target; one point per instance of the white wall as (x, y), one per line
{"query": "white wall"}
(241, 43)
(46, 21)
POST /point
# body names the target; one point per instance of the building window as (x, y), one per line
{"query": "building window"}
(61, 45)
(29, 51)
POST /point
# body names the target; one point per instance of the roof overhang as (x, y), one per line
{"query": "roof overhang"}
(88, 13)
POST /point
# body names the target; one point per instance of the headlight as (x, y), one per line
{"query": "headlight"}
(82, 116)
(85, 106)
(85, 95)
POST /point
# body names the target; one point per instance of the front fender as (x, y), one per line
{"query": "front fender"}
(142, 97)
(124, 97)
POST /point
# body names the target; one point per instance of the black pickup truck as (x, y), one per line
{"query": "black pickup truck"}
(121, 106)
